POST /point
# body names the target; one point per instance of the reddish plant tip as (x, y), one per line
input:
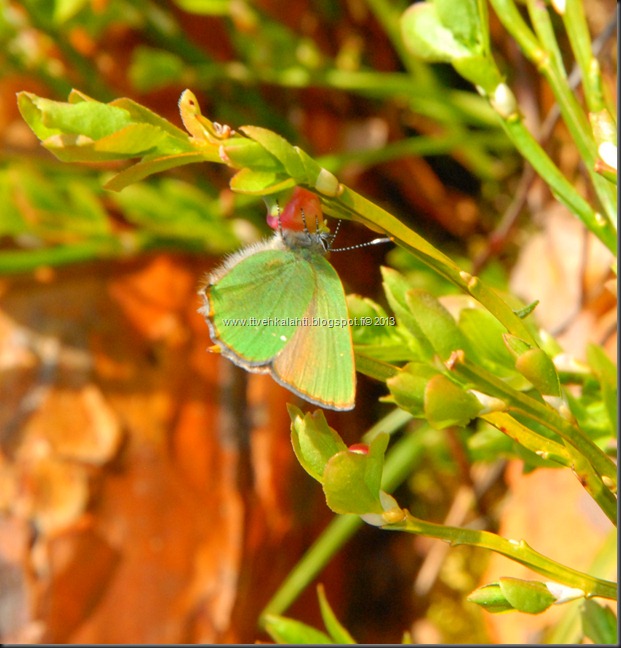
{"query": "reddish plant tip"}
(359, 448)
(301, 200)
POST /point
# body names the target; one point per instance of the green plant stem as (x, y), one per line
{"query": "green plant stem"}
(551, 67)
(562, 189)
(352, 206)
(519, 551)
(513, 22)
(580, 41)
(568, 630)
(423, 77)
(541, 446)
(595, 471)
(400, 460)
(19, 261)
(425, 145)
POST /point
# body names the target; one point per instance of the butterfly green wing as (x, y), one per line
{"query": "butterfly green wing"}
(246, 304)
(318, 361)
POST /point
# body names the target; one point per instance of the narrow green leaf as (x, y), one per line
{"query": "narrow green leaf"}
(395, 287)
(337, 631)
(531, 597)
(491, 598)
(606, 373)
(515, 345)
(523, 313)
(142, 170)
(484, 333)
(375, 333)
(259, 183)
(449, 404)
(240, 152)
(206, 7)
(289, 631)
(280, 149)
(537, 366)
(142, 115)
(599, 623)
(436, 323)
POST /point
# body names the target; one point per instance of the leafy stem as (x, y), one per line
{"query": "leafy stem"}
(519, 551)
(351, 205)
(595, 470)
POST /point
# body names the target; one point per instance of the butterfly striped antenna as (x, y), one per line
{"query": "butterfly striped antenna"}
(377, 241)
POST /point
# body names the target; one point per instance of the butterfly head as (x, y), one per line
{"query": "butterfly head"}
(300, 224)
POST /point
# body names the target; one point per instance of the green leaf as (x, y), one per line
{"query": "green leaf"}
(462, 19)
(314, 441)
(142, 115)
(479, 70)
(240, 152)
(142, 170)
(351, 481)
(289, 631)
(599, 623)
(530, 597)
(425, 36)
(448, 404)
(337, 631)
(396, 287)
(523, 313)
(259, 183)
(485, 336)
(409, 385)
(515, 345)
(280, 149)
(606, 373)
(84, 130)
(375, 333)
(436, 324)
(91, 119)
(491, 597)
(537, 366)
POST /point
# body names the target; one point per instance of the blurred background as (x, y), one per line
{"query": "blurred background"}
(148, 489)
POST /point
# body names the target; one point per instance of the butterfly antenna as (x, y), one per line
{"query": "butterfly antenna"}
(279, 221)
(377, 241)
(306, 230)
(337, 228)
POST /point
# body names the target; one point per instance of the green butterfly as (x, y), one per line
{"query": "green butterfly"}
(278, 307)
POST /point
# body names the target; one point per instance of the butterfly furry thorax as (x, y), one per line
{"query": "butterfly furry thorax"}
(304, 243)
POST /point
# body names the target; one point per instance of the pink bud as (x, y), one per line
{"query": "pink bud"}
(291, 213)
(359, 448)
